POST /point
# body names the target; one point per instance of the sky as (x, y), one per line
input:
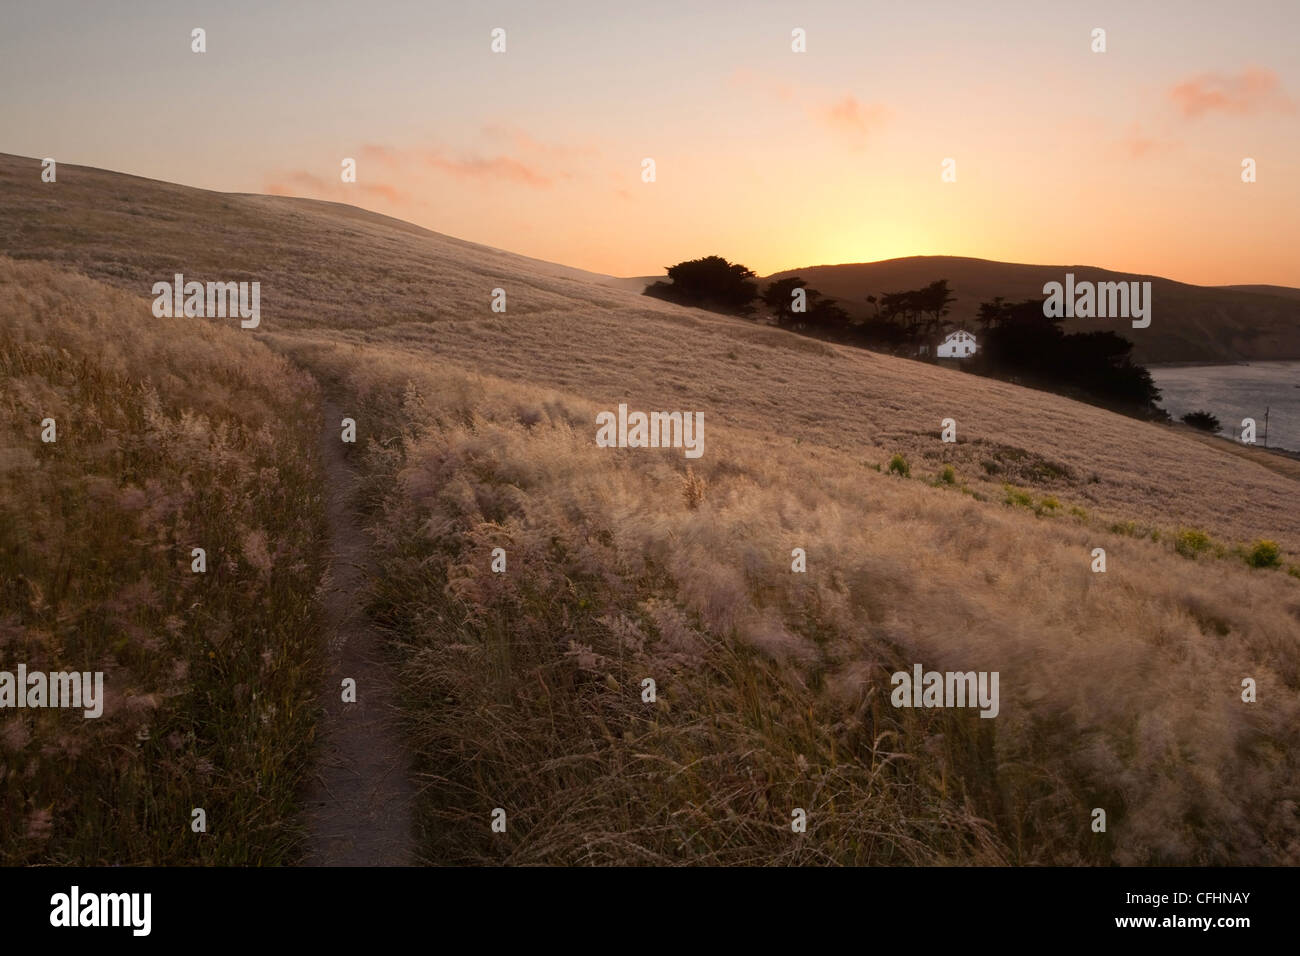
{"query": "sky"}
(1129, 159)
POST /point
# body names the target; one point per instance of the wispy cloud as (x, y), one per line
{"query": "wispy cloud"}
(1136, 144)
(844, 114)
(487, 168)
(524, 144)
(852, 117)
(298, 182)
(1252, 91)
(512, 156)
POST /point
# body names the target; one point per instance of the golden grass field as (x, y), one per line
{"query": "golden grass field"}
(168, 438)
(523, 690)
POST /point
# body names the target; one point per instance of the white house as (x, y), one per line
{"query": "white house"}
(958, 344)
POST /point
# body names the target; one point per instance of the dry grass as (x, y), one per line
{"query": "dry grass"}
(170, 435)
(1118, 690)
(330, 271)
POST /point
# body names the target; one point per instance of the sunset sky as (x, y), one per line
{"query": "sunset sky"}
(1128, 159)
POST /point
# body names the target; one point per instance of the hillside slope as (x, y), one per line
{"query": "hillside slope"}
(132, 232)
(335, 271)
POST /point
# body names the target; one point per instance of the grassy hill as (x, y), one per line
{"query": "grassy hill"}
(1189, 323)
(524, 689)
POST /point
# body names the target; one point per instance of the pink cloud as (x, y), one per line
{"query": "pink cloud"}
(381, 154)
(487, 168)
(514, 156)
(1135, 144)
(1252, 91)
(845, 115)
(521, 158)
(527, 145)
(849, 116)
(300, 182)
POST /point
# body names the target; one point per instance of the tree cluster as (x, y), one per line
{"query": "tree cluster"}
(710, 283)
(1016, 339)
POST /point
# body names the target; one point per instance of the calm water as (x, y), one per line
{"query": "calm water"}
(1234, 392)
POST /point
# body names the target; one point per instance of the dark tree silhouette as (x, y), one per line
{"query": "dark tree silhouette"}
(820, 314)
(709, 283)
(1203, 420)
(1019, 340)
(932, 302)
(779, 297)
(908, 319)
(825, 316)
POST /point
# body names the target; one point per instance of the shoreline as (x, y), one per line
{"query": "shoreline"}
(1240, 362)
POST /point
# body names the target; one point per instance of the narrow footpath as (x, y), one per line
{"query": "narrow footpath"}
(359, 804)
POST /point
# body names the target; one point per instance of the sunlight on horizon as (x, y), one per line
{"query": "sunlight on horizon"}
(1127, 159)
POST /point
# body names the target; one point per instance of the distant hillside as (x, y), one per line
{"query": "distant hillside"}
(636, 283)
(1286, 292)
(1189, 323)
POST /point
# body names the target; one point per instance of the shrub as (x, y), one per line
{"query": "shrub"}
(1190, 542)
(1202, 421)
(692, 488)
(898, 466)
(709, 283)
(948, 476)
(1017, 497)
(1264, 554)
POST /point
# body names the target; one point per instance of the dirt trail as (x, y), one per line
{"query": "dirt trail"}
(359, 806)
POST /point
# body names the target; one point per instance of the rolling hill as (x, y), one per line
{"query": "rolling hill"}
(524, 687)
